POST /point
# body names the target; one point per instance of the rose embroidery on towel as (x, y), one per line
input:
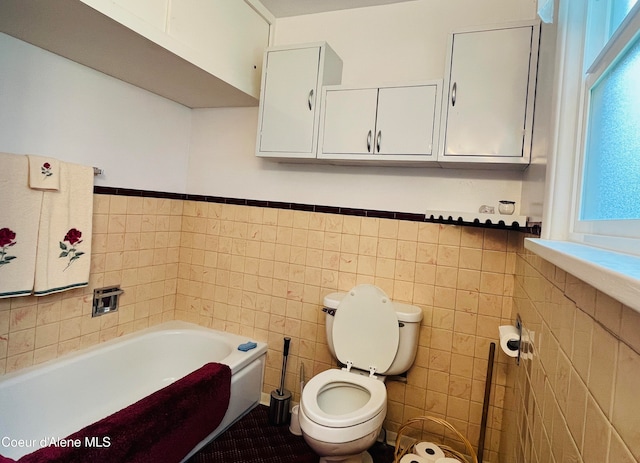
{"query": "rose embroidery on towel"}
(73, 237)
(46, 169)
(7, 239)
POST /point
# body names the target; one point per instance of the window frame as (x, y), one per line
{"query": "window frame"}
(616, 235)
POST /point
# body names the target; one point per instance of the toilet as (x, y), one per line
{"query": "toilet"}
(342, 410)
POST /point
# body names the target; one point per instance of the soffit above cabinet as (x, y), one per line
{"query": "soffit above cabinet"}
(120, 44)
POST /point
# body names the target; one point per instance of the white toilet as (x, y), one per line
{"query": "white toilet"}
(342, 410)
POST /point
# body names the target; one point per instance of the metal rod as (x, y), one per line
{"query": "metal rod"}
(485, 405)
(285, 354)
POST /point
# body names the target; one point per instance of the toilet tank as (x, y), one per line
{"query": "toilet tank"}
(409, 317)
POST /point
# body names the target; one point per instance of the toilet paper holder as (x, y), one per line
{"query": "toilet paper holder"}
(519, 341)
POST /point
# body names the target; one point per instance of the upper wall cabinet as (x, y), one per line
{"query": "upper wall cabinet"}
(487, 113)
(382, 125)
(289, 114)
(200, 53)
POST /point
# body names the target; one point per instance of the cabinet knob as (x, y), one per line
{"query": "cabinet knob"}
(369, 142)
(453, 93)
(310, 100)
(378, 140)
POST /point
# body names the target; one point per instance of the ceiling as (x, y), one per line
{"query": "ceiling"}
(283, 8)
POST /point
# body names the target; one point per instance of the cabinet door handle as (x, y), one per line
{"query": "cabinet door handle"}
(369, 142)
(378, 140)
(453, 93)
(310, 100)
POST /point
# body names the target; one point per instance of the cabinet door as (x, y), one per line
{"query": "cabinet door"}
(290, 94)
(349, 121)
(487, 94)
(405, 120)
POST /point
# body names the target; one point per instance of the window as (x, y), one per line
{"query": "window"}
(607, 205)
(591, 226)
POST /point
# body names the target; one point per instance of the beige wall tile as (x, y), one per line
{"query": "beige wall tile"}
(586, 377)
(472, 237)
(495, 240)
(388, 229)
(597, 432)
(630, 327)
(494, 261)
(262, 272)
(21, 342)
(604, 352)
(23, 318)
(470, 258)
(582, 342)
(428, 232)
(625, 416)
(576, 406)
(618, 451)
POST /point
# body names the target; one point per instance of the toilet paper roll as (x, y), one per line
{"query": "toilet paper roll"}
(448, 460)
(428, 450)
(509, 338)
(413, 458)
(294, 425)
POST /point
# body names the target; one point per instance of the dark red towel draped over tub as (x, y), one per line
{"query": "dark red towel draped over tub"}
(162, 427)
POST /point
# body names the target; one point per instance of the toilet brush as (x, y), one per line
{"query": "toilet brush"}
(281, 398)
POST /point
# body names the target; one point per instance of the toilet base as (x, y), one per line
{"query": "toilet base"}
(363, 457)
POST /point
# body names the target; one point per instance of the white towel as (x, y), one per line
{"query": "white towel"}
(64, 242)
(19, 217)
(44, 173)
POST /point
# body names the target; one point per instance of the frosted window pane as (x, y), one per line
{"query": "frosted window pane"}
(611, 183)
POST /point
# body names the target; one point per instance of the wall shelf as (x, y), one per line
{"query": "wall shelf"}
(477, 218)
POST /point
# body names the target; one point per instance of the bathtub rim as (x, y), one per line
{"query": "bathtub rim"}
(171, 326)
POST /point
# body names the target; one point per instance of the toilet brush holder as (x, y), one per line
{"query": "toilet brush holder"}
(279, 407)
(280, 403)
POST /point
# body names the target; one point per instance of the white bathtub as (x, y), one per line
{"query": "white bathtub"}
(57, 398)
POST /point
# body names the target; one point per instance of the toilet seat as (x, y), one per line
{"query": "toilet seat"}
(318, 384)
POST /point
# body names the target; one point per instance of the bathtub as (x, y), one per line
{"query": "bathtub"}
(57, 398)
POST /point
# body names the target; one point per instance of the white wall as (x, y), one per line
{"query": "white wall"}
(223, 163)
(395, 43)
(51, 106)
(54, 107)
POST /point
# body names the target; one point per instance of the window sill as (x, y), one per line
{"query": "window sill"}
(613, 273)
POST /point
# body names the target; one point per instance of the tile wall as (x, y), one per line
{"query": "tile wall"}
(136, 243)
(262, 272)
(576, 400)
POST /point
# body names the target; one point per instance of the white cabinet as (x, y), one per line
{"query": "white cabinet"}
(397, 124)
(487, 113)
(290, 101)
(200, 53)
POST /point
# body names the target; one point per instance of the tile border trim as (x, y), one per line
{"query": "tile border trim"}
(103, 190)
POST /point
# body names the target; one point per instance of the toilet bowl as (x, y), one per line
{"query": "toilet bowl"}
(342, 410)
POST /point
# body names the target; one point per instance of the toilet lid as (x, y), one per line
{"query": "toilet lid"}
(365, 329)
